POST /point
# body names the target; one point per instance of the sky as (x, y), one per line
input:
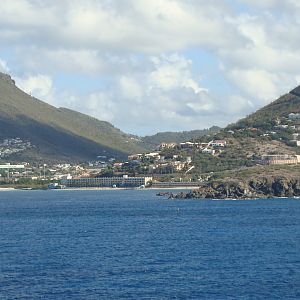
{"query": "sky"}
(153, 65)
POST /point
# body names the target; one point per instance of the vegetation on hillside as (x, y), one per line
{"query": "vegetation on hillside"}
(178, 137)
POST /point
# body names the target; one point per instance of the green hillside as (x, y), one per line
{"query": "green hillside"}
(177, 137)
(58, 133)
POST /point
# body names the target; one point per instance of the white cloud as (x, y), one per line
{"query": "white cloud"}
(269, 65)
(136, 49)
(3, 66)
(166, 95)
(101, 106)
(70, 61)
(39, 86)
(273, 4)
(235, 105)
(256, 83)
(130, 88)
(134, 25)
(173, 72)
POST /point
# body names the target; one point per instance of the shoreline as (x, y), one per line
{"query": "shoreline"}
(97, 189)
(153, 189)
(122, 189)
(7, 189)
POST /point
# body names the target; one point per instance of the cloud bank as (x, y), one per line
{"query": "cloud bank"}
(148, 66)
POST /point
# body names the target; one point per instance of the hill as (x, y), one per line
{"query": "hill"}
(177, 137)
(275, 113)
(252, 183)
(268, 131)
(58, 134)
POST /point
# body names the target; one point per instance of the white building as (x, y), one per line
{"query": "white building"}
(166, 146)
(135, 156)
(294, 116)
(152, 155)
(218, 143)
(209, 151)
(124, 181)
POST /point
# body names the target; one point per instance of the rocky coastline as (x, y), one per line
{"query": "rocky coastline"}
(278, 187)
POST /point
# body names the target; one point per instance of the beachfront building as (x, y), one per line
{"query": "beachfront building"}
(122, 182)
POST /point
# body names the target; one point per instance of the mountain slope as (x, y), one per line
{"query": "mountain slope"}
(272, 113)
(58, 133)
(268, 131)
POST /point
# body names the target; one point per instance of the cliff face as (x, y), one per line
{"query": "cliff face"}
(254, 188)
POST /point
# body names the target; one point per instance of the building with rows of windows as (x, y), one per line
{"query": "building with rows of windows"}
(122, 182)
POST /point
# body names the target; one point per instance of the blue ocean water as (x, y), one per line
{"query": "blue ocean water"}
(134, 245)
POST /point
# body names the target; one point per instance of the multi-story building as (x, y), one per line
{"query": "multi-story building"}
(124, 182)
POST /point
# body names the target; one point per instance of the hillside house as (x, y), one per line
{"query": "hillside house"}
(209, 151)
(218, 143)
(163, 146)
(177, 165)
(187, 145)
(191, 145)
(135, 156)
(153, 155)
(188, 159)
(294, 116)
(297, 143)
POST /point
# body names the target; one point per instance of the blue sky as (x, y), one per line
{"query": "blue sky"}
(149, 66)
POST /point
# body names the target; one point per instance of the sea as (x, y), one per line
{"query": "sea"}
(132, 244)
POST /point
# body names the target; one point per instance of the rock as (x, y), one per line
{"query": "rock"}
(254, 188)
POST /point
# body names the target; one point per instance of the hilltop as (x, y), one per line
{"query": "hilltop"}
(58, 134)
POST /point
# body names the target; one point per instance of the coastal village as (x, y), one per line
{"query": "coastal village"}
(12, 146)
(170, 164)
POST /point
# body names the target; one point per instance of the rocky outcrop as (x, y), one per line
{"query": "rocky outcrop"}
(251, 189)
(7, 78)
